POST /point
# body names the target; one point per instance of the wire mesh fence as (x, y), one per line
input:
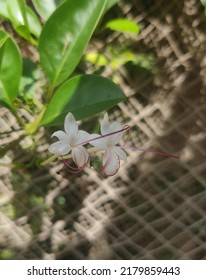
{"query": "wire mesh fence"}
(154, 207)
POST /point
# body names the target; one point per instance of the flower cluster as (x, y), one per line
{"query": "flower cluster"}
(73, 140)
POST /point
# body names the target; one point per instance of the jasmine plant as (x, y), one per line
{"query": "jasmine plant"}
(58, 36)
(73, 141)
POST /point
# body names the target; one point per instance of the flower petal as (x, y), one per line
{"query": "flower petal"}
(120, 152)
(99, 143)
(59, 148)
(111, 163)
(82, 136)
(61, 135)
(105, 124)
(114, 139)
(70, 124)
(107, 127)
(80, 156)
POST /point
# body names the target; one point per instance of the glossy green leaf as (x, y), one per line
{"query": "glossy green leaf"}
(33, 22)
(47, 7)
(17, 12)
(10, 69)
(23, 31)
(24, 19)
(84, 96)
(123, 25)
(66, 35)
(3, 9)
(3, 38)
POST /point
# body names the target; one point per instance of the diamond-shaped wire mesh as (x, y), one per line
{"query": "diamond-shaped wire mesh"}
(155, 207)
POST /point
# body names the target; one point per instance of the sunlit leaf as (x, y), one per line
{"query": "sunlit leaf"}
(17, 12)
(47, 7)
(3, 38)
(23, 31)
(123, 25)
(84, 96)
(3, 9)
(96, 58)
(33, 22)
(24, 19)
(66, 35)
(121, 58)
(10, 69)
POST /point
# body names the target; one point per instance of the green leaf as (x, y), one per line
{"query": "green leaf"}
(66, 35)
(121, 58)
(47, 7)
(23, 31)
(84, 96)
(10, 69)
(203, 2)
(3, 38)
(95, 58)
(24, 19)
(3, 9)
(110, 3)
(29, 78)
(17, 12)
(33, 22)
(123, 25)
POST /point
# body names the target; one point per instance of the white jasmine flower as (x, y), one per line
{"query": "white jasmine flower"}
(72, 140)
(108, 141)
(69, 141)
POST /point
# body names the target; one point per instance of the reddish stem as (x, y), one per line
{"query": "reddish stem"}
(126, 127)
(154, 152)
(72, 169)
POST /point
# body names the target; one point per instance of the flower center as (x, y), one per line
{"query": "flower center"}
(72, 142)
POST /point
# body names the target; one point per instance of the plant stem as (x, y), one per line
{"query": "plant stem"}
(49, 160)
(18, 118)
(32, 128)
(38, 104)
(54, 157)
(49, 93)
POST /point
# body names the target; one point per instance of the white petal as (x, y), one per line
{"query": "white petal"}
(111, 163)
(99, 143)
(77, 139)
(107, 127)
(82, 136)
(70, 124)
(59, 148)
(80, 156)
(115, 138)
(105, 124)
(120, 152)
(61, 135)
